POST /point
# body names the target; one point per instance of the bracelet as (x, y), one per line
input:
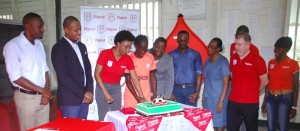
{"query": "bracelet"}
(293, 107)
(221, 99)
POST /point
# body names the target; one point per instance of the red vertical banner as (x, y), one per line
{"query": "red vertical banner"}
(195, 42)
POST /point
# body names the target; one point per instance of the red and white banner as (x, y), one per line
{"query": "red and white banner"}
(98, 29)
(140, 123)
(198, 116)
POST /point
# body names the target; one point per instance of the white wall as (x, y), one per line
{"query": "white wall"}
(215, 23)
(270, 24)
(268, 18)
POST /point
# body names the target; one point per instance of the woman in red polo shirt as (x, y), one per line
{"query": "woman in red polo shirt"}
(110, 67)
(281, 95)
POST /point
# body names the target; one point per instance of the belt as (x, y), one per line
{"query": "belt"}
(280, 92)
(185, 85)
(27, 92)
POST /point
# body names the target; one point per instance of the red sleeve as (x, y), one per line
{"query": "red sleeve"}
(130, 65)
(260, 66)
(295, 66)
(254, 49)
(101, 58)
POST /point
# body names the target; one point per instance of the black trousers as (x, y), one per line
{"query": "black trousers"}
(237, 112)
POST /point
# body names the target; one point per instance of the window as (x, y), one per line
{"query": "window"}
(294, 30)
(7, 17)
(149, 18)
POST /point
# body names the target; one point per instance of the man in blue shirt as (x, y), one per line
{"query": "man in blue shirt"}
(187, 71)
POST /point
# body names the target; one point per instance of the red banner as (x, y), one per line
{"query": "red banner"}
(140, 123)
(198, 116)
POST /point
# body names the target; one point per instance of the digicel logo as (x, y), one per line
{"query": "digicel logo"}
(131, 29)
(122, 17)
(133, 18)
(87, 39)
(89, 28)
(111, 29)
(100, 29)
(99, 16)
(99, 40)
(122, 27)
(111, 17)
(87, 16)
(111, 40)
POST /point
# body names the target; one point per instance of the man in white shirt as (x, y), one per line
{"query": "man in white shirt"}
(27, 69)
(73, 69)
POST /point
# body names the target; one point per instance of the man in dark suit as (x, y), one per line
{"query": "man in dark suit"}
(73, 69)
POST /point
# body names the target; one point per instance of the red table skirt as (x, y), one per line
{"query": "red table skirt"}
(70, 124)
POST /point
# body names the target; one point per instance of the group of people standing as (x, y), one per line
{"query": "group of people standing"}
(231, 88)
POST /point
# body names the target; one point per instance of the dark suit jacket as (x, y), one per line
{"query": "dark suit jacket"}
(70, 74)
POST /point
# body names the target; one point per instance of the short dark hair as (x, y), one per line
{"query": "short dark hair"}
(30, 16)
(139, 39)
(68, 20)
(123, 36)
(183, 32)
(158, 40)
(219, 43)
(242, 29)
(284, 42)
(245, 36)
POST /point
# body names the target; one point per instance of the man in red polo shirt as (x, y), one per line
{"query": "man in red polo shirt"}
(249, 75)
(239, 30)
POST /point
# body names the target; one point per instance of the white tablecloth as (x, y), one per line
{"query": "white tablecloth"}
(172, 123)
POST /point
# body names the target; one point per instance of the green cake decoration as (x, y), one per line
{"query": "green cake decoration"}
(152, 108)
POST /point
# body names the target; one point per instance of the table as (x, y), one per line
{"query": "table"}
(71, 124)
(172, 123)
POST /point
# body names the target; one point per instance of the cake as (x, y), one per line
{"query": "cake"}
(157, 107)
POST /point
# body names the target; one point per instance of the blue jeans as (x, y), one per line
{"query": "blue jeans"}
(278, 109)
(80, 111)
(182, 95)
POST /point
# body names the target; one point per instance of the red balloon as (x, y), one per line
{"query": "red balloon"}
(195, 42)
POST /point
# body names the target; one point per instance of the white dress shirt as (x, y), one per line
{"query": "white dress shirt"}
(23, 59)
(77, 50)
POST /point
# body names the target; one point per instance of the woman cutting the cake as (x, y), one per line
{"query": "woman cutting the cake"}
(110, 67)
